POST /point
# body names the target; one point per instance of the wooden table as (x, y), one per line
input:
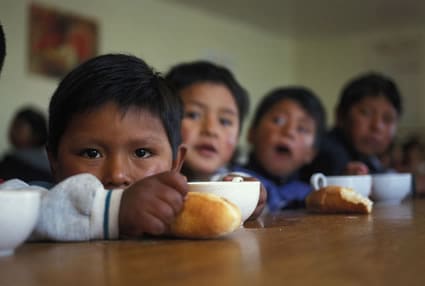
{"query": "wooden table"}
(288, 248)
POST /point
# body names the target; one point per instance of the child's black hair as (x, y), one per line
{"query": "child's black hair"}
(369, 84)
(37, 122)
(187, 74)
(306, 98)
(122, 79)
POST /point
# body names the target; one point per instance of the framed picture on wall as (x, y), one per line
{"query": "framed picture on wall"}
(58, 41)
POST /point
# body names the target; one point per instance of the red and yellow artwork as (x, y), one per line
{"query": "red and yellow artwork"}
(59, 41)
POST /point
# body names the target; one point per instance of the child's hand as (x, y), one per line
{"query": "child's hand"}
(151, 204)
(356, 168)
(262, 200)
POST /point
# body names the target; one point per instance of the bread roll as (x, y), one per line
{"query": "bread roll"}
(206, 215)
(336, 199)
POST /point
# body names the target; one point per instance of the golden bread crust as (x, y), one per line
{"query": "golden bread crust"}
(206, 215)
(336, 199)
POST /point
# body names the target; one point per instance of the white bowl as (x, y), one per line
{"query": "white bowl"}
(243, 194)
(18, 215)
(391, 188)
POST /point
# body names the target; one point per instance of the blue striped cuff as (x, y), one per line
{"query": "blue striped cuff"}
(106, 215)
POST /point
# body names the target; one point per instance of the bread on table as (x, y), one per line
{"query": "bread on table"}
(206, 215)
(337, 199)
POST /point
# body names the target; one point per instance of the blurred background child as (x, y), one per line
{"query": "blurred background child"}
(285, 134)
(27, 159)
(215, 105)
(367, 117)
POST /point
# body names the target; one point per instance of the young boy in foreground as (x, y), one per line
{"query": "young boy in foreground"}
(116, 121)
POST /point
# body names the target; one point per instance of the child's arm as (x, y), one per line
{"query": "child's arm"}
(151, 204)
(78, 209)
(74, 209)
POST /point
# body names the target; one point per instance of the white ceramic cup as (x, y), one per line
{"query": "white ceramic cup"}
(18, 215)
(362, 184)
(391, 188)
(243, 194)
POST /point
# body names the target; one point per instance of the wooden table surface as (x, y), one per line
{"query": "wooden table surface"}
(288, 248)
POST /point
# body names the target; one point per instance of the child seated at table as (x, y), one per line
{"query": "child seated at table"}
(285, 134)
(115, 120)
(215, 105)
(27, 158)
(367, 118)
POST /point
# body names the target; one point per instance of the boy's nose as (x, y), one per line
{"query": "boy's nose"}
(116, 174)
(377, 123)
(288, 129)
(209, 125)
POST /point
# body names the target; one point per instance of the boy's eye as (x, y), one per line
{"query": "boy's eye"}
(192, 115)
(142, 153)
(226, 122)
(91, 153)
(365, 111)
(305, 129)
(279, 120)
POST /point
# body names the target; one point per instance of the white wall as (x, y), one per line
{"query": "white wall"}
(161, 33)
(166, 33)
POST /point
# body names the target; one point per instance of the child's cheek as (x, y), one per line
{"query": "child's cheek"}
(231, 141)
(232, 137)
(308, 141)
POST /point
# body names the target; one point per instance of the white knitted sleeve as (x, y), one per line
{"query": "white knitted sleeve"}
(77, 209)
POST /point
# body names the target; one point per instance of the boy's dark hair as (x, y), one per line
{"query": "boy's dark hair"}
(186, 74)
(301, 95)
(2, 47)
(37, 121)
(370, 84)
(122, 79)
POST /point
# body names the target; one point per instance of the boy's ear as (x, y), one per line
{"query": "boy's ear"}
(181, 154)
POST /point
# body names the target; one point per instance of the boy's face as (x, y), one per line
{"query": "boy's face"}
(283, 139)
(210, 127)
(118, 148)
(371, 125)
